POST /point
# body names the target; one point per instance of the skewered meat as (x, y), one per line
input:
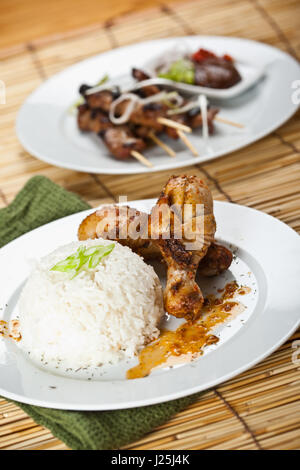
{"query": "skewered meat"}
(140, 76)
(121, 141)
(101, 99)
(117, 227)
(92, 120)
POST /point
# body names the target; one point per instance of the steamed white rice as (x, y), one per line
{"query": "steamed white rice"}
(101, 316)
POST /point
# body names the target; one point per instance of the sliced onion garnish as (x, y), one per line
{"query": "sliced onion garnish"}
(163, 96)
(132, 102)
(176, 100)
(97, 88)
(202, 100)
(183, 109)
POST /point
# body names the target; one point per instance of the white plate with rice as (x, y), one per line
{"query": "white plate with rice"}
(270, 316)
(47, 129)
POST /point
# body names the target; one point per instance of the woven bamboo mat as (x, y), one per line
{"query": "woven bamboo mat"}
(259, 409)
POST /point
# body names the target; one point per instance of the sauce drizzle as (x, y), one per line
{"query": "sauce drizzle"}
(187, 342)
(10, 330)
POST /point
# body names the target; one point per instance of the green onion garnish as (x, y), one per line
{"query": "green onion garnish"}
(103, 80)
(183, 70)
(83, 259)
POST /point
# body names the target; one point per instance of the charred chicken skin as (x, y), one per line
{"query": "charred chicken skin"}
(156, 236)
(191, 212)
(114, 224)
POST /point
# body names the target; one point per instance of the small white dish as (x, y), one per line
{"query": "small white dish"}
(271, 270)
(48, 131)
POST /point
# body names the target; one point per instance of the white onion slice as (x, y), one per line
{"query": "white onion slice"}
(184, 108)
(154, 98)
(203, 107)
(133, 100)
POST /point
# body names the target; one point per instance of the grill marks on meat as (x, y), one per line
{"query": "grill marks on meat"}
(182, 295)
(140, 76)
(92, 120)
(112, 223)
(101, 99)
(122, 139)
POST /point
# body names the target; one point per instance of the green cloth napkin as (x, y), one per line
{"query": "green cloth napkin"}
(39, 202)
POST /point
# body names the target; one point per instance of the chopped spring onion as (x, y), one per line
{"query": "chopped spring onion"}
(84, 258)
(183, 70)
(103, 80)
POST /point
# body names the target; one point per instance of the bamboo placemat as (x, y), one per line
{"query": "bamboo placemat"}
(259, 409)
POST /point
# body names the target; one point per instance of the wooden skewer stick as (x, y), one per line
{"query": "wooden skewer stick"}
(162, 144)
(230, 123)
(184, 139)
(141, 158)
(174, 124)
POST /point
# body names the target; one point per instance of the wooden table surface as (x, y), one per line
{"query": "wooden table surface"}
(260, 408)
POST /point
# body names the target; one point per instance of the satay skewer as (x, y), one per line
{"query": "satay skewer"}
(162, 144)
(174, 124)
(140, 157)
(187, 142)
(180, 128)
(230, 123)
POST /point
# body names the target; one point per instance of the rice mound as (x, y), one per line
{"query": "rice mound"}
(101, 316)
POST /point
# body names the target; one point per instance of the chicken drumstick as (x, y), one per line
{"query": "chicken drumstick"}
(184, 225)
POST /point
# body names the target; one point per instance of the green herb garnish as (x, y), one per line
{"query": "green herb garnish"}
(182, 70)
(103, 80)
(83, 259)
(75, 105)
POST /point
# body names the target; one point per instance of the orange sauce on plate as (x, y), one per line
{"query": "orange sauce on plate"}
(187, 342)
(10, 330)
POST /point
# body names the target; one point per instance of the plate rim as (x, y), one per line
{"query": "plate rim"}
(165, 397)
(141, 170)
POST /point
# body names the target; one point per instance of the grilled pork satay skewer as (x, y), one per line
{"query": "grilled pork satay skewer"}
(149, 114)
(93, 117)
(140, 75)
(119, 140)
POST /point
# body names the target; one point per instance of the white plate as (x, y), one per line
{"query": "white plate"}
(271, 270)
(47, 130)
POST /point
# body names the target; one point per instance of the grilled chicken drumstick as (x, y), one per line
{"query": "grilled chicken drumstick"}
(156, 236)
(112, 223)
(191, 210)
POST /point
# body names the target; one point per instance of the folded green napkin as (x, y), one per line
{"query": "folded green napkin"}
(39, 202)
